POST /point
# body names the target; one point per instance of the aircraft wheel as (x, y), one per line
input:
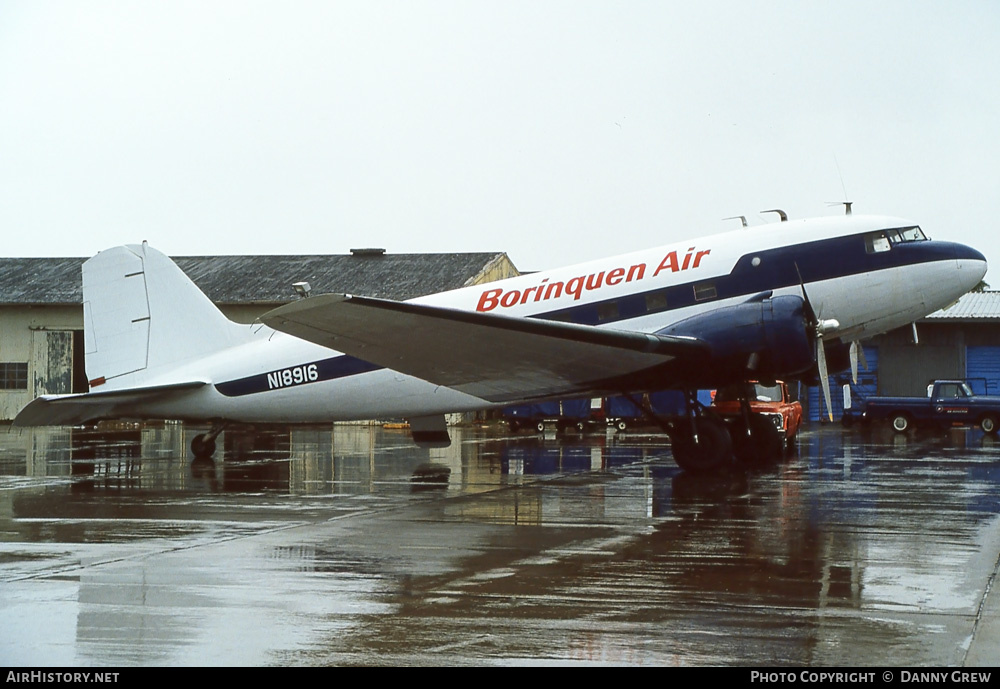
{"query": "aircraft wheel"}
(203, 447)
(763, 444)
(713, 450)
(540, 426)
(900, 422)
(621, 424)
(988, 424)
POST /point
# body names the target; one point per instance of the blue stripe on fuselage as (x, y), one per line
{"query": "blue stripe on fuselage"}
(340, 366)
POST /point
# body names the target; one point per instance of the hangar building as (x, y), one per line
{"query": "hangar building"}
(41, 311)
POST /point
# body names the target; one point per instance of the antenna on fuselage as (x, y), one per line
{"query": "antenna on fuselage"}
(846, 204)
(781, 214)
(743, 219)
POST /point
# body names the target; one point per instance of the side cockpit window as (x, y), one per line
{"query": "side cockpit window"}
(877, 242)
(884, 240)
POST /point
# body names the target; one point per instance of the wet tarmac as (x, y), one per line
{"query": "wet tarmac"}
(351, 546)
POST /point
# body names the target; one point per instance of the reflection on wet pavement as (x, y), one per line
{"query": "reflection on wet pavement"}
(353, 546)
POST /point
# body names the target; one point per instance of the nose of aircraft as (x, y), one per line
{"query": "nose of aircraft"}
(971, 265)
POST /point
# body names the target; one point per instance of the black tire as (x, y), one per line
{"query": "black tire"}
(713, 451)
(202, 447)
(989, 424)
(621, 424)
(900, 422)
(763, 444)
(790, 444)
(540, 426)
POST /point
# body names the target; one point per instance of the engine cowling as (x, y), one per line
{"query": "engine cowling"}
(765, 339)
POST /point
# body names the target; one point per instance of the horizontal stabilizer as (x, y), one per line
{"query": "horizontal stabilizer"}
(72, 410)
(497, 358)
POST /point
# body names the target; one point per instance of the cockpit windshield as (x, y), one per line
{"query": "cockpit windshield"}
(884, 240)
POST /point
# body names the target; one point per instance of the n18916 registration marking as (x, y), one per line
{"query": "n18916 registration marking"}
(297, 375)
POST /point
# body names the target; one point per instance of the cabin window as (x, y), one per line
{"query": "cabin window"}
(567, 316)
(877, 242)
(656, 301)
(607, 311)
(954, 390)
(13, 376)
(704, 291)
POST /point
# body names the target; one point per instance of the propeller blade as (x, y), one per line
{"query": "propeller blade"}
(824, 378)
(861, 357)
(810, 311)
(819, 326)
(854, 362)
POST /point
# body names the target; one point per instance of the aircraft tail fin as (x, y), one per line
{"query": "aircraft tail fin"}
(143, 316)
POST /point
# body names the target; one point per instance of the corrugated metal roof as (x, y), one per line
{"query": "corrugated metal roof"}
(40, 280)
(267, 279)
(972, 306)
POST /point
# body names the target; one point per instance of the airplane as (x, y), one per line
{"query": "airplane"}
(785, 300)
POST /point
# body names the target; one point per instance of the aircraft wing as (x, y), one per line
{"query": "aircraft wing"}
(496, 358)
(75, 409)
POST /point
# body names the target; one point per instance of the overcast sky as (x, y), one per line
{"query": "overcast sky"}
(555, 131)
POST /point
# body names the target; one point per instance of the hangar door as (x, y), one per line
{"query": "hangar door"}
(982, 369)
(57, 362)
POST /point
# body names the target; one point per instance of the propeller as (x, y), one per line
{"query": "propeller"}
(820, 327)
(857, 355)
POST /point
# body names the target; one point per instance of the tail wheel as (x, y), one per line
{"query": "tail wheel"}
(202, 446)
(900, 423)
(988, 424)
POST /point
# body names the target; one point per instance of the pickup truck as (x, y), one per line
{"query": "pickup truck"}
(949, 402)
(772, 402)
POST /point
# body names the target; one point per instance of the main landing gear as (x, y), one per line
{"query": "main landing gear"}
(755, 439)
(702, 442)
(203, 444)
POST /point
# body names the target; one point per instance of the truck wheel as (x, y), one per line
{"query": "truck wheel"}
(900, 422)
(988, 423)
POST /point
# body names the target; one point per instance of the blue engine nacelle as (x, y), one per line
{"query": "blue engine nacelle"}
(765, 338)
